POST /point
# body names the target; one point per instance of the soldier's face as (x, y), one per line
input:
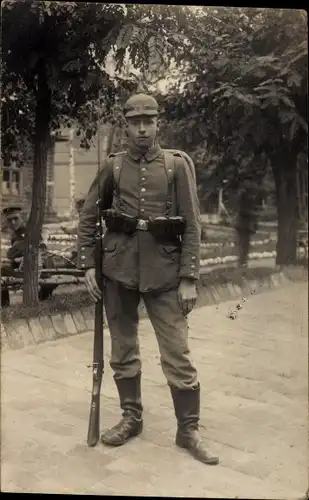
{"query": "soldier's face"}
(142, 130)
(14, 222)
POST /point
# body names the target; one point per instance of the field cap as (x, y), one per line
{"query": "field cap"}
(141, 104)
(12, 211)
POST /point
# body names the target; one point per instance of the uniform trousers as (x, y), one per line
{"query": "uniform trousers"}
(170, 327)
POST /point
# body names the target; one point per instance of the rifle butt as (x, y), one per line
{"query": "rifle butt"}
(94, 422)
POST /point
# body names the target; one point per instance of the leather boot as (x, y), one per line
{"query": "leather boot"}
(187, 411)
(131, 424)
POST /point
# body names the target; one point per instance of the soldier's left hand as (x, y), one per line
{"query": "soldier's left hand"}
(187, 295)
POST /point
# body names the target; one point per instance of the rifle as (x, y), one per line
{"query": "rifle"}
(98, 343)
(98, 346)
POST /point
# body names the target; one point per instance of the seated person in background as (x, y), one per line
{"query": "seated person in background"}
(16, 225)
(15, 255)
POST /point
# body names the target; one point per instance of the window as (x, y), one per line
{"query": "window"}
(11, 180)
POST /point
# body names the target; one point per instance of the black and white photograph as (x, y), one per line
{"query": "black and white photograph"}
(154, 250)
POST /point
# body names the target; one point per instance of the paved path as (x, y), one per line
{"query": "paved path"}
(254, 377)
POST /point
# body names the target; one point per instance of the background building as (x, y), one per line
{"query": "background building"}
(70, 171)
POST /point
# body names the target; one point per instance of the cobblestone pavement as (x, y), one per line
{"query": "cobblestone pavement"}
(254, 378)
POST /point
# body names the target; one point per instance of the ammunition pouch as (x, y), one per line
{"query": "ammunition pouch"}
(160, 227)
(167, 227)
(119, 222)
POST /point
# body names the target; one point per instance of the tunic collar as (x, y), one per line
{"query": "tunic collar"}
(152, 153)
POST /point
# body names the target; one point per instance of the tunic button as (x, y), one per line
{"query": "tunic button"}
(83, 257)
(83, 265)
(143, 169)
(142, 200)
(142, 210)
(193, 258)
(191, 274)
(143, 179)
(143, 190)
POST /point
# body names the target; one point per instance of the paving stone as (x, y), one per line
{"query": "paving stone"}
(246, 287)
(232, 290)
(238, 290)
(215, 293)
(79, 321)
(254, 286)
(222, 293)
(87, 321)
(15, 335)
(69, 324)
(59, 325)
(48, 328)
(22, 326)
(37, 329)
(209, 297)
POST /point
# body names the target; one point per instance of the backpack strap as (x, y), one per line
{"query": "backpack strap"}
(170, 156)
(186, 158)
(117, 159)
(169, 165)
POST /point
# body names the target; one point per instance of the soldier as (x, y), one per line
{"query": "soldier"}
(16, 226)
(15, 254)
(151, 251)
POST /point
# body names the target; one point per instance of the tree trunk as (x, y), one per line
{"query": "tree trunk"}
(286, 194)
(35, 222)
(49, 212)
(72, 173)
(302, 194)
(111, 137)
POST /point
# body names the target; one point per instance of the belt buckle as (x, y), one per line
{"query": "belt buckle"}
(142, 224)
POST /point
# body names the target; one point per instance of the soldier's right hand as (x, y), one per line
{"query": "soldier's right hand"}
(92, 285)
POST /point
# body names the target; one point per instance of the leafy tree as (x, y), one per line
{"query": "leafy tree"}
(245, 103)
(54, 73)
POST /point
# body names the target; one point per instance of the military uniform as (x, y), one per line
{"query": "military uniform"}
(139, 265)
(15, 256)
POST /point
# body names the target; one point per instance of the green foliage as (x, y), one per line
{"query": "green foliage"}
(74, 40)
(55, 73)
(246, 91)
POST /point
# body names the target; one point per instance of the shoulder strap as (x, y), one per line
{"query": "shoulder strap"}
(169, 165)
(170, 156)
(117, 159)
(186, 158)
